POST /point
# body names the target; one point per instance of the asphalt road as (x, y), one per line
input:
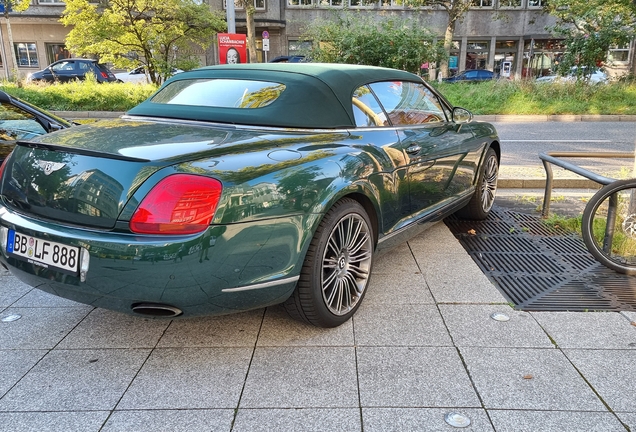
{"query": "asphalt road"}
(522, 142)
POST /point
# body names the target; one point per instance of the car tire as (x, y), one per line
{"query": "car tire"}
(479, 206)
(337, 268)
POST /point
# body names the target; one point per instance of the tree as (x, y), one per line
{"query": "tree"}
(360, 39)
(14, 6)
(158, 34)
(456, 10)
(248, 5)
(591, 28)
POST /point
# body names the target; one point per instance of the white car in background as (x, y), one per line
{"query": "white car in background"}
(598, 76)
(138, 75)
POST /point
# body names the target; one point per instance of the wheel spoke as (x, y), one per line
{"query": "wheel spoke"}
(346, 263)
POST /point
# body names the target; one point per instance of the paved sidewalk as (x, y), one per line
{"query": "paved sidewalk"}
(422, 345)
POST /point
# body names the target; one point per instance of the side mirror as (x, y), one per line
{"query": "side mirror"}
(462, 115)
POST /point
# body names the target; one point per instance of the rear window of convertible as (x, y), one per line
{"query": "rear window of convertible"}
(222, 93)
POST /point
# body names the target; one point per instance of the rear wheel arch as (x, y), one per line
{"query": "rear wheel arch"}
(497, 148)
(371, 211)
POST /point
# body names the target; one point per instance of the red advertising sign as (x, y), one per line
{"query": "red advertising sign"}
(232, 48)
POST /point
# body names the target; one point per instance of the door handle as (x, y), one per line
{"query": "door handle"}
(413, 149)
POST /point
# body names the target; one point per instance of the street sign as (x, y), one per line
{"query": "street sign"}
(265, 44)
(265, 34)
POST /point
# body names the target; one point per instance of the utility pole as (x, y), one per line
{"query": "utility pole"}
(231, 17)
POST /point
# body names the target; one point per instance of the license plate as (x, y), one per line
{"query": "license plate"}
(44, 253)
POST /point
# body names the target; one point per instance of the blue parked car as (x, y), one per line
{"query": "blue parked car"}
(473, 75)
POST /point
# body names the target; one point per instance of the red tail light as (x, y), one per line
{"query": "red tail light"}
(179, 204)
(104, 75)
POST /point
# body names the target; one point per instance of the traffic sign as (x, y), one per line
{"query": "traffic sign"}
(265, 34)
(265, 44)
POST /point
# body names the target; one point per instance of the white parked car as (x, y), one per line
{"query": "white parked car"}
(596, 77)
(138, 75)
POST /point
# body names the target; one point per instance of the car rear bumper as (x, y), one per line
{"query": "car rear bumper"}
(224, 269)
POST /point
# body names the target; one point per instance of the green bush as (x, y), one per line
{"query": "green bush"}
(86, 95)
(529, 97)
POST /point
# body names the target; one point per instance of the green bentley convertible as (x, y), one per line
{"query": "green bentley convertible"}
(241, 186)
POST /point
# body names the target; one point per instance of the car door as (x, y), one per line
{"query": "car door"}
(435, 147)
(383, 150)
(64, 71)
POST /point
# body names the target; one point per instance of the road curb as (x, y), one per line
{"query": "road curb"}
(508, 183)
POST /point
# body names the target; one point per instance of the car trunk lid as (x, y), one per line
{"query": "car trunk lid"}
(86, 174)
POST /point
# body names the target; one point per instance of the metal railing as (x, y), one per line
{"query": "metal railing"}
(552, 158)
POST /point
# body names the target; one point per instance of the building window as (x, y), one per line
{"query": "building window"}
(482, 3)
(300, 3)
(258, 5)
(392, 3)
(331, 3)
(537, 3)
(58, 2)
(298, 47)
(26, 54)
(362, 3)
(55, 52)
(618, 54)
(509, 4)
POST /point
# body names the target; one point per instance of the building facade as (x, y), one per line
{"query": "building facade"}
(506, 36)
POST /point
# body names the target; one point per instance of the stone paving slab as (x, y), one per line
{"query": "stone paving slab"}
(551, 421)
(473, 326)
(54, 421)
(528, 379)
(420, 419)
(75, 380)
(612, 374)
(422, 345)
(413, 377)
(588, 330)
(297, 419)
(169, 420)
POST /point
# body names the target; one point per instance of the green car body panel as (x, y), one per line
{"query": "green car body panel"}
(81, 186)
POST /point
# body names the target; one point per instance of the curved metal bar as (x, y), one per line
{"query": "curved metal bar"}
(552, 158)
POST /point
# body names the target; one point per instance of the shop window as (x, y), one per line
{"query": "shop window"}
(453, 59)
(476, 55)
(26, 54)
(509, 4)
(482, 3)
(55, 52)
(618, 54)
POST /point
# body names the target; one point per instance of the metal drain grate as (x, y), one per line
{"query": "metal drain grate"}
(540, 268)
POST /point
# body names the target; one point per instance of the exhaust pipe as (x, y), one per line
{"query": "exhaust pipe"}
(156, 310)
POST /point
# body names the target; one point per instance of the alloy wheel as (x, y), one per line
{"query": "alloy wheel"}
(346, 264)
